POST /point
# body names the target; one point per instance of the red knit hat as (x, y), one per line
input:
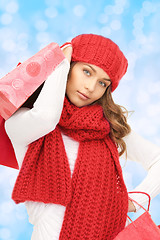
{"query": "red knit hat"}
(102, 52)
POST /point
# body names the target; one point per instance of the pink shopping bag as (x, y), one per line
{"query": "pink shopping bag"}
(21, 82)
(21, 86)
(143, 228)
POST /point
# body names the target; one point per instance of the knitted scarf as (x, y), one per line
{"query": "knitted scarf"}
(95, 197)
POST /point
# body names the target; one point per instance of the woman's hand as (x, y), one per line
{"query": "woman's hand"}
(131, 207)
(67, 51)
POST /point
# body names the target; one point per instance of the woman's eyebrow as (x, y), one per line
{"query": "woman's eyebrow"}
(106, 79)
(91, 67)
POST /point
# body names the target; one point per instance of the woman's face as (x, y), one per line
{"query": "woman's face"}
(86, 83)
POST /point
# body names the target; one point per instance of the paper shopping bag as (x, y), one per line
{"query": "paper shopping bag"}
(19, 84)
(21, 87)
(143, 228)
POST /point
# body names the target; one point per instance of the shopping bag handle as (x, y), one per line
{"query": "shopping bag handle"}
(149, 199)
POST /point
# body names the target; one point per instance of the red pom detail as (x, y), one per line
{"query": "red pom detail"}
(33, 69)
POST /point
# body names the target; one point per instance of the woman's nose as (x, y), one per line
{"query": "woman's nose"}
(90, 84)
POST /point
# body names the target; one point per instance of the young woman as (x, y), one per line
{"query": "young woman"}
(68, 146)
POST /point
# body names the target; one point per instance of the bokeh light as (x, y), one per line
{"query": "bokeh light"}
(27, 26)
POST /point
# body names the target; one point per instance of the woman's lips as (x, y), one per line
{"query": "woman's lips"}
(82, 96)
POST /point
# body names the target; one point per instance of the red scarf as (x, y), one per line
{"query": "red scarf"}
(95, 197)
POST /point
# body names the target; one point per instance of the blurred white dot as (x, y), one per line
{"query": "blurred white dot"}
(138, 16)
(5, 233)
(21, 212)
(147, 48)
(137, 32)
(79, 10)
(105, 31)
(128, 178)
(22, 41)
(138, 23)
(8, 192)
(2, 73)
(148, 8)
(143, 97)
(3, 4)
(103, 18)
(9, 45)
(22, 46)
(23, 36)
(52, 3)
(154, 88)
(3, 175)
(12, 180)
(115, 25)
(108, 9)
(118, 9)
(21, 216)
(6, 220)
(144, 123)
(132, 57)
(157, 140)
(121, 98)
(6, 33)
(41, 25)
(12, 7)
(6, 19)
(141, 39)
(129, 76)
(51, 12)
(120, 2)
(43, 37)
(27, 54)
(153, 110)
(6, 207)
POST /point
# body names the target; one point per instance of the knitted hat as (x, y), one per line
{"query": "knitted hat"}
(102, 52)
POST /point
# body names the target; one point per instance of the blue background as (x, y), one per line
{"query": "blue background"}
(27, 26)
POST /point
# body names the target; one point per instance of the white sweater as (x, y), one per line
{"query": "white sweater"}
(27, 125)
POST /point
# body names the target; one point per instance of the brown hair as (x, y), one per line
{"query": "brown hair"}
(117, 116)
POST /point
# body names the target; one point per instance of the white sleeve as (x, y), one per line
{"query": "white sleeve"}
(147, 154)
(27, 125)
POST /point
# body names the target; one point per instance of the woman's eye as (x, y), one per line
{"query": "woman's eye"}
(87, 72)
(102, 84)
